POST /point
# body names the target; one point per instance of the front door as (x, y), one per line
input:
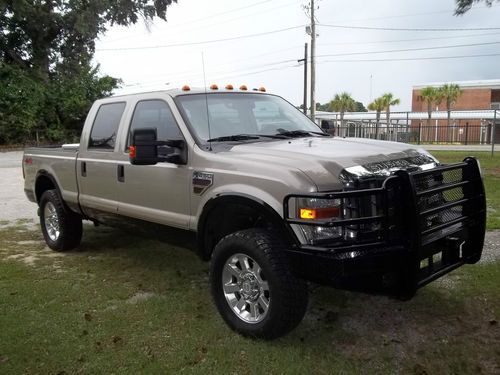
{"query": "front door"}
(157, 193)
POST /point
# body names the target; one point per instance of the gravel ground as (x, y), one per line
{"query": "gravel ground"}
(14, 205)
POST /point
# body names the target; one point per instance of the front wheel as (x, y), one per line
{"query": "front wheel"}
(61, 227)
(253, 287)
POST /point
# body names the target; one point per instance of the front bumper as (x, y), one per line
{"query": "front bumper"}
(430, 223)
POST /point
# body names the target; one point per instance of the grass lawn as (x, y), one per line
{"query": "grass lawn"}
(122, 304)
(491, 171)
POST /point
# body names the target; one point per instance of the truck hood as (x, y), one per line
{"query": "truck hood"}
(324, 160)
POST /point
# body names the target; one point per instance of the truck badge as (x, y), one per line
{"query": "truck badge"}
(202, 181)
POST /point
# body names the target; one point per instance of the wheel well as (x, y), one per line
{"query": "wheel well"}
(228, 214)
(43, 183)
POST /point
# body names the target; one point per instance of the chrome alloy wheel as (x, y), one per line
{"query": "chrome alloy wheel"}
(245, 288)
(51, 221)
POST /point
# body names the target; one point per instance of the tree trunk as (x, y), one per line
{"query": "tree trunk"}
(448, 109)
(388, 121)
(429, 113)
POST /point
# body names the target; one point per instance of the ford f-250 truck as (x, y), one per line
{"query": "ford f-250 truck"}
(273, 200)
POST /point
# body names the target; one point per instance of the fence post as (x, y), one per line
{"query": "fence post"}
(466, 133)
(493, 134)
(419, 132)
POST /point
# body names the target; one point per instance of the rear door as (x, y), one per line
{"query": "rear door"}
(157, 193)
(97, 160)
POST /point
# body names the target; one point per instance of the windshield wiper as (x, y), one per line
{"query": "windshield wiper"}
(245, 137)
(236, 137)
(300, 133)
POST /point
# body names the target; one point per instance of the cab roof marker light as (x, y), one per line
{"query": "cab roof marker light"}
(229, 87)
(186, 88)
(243, 88)
(214, 87)
(262, 89)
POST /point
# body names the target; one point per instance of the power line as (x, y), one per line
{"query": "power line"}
(203, 42)
(410, 49)
(186, 24)
(414, 58)
(203, 18)
(218, 77)
(407, 40)
(188, 74)
(407, 29)
(412, 14)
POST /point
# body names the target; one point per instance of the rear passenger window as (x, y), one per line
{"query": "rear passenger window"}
(105, 128)
(155, 114)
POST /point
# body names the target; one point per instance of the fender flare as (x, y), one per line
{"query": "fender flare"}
(242, 199)
(45, 174)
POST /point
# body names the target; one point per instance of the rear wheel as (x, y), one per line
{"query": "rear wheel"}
(253, 287)
(61, 227)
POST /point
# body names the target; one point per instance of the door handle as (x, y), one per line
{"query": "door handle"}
(84, 169)
(121, 173)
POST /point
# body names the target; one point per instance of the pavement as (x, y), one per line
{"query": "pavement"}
(14, 205)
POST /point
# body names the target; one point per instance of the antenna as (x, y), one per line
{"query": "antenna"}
(206, 101)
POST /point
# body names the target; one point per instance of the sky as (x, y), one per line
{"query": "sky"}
(258, 43)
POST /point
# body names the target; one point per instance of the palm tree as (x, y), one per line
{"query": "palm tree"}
(450, 92)
(430, 95)
(342, 103)
(377, 105)
(389, 100)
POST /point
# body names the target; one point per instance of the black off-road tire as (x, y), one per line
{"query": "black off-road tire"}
(70, 223)
(288, 294)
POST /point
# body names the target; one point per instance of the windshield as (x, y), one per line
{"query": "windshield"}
(234, 114)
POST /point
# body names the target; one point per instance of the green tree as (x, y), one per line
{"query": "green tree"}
(463, 6)
(377, 105)
(450, 92)
(321, 107)
(49, 46)
(360, 107)
(431, 95)
(342, 103)
(389, 100)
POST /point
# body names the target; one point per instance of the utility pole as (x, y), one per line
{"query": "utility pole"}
(305, 78)
(313, 62)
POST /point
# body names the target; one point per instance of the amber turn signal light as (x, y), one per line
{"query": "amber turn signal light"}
(132, 152)
(319, 213)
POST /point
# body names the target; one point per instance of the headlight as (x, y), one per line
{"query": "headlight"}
(317, 209)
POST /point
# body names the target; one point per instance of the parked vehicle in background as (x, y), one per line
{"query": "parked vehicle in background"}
(272, 199)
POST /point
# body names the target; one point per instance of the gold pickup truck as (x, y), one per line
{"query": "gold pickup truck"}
(271, 199)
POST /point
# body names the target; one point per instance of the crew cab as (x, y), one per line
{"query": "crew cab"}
(272, 200)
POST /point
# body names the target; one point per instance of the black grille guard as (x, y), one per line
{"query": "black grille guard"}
(436, 216)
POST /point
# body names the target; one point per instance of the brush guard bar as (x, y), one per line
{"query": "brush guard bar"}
(436, 217)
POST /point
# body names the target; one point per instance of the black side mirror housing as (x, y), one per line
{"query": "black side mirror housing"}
(144, 148)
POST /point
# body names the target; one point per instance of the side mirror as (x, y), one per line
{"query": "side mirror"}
(144, 145)
(325, 125)
(143, 149)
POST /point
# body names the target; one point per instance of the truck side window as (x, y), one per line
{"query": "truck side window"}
(155, 114)
(105, 127)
